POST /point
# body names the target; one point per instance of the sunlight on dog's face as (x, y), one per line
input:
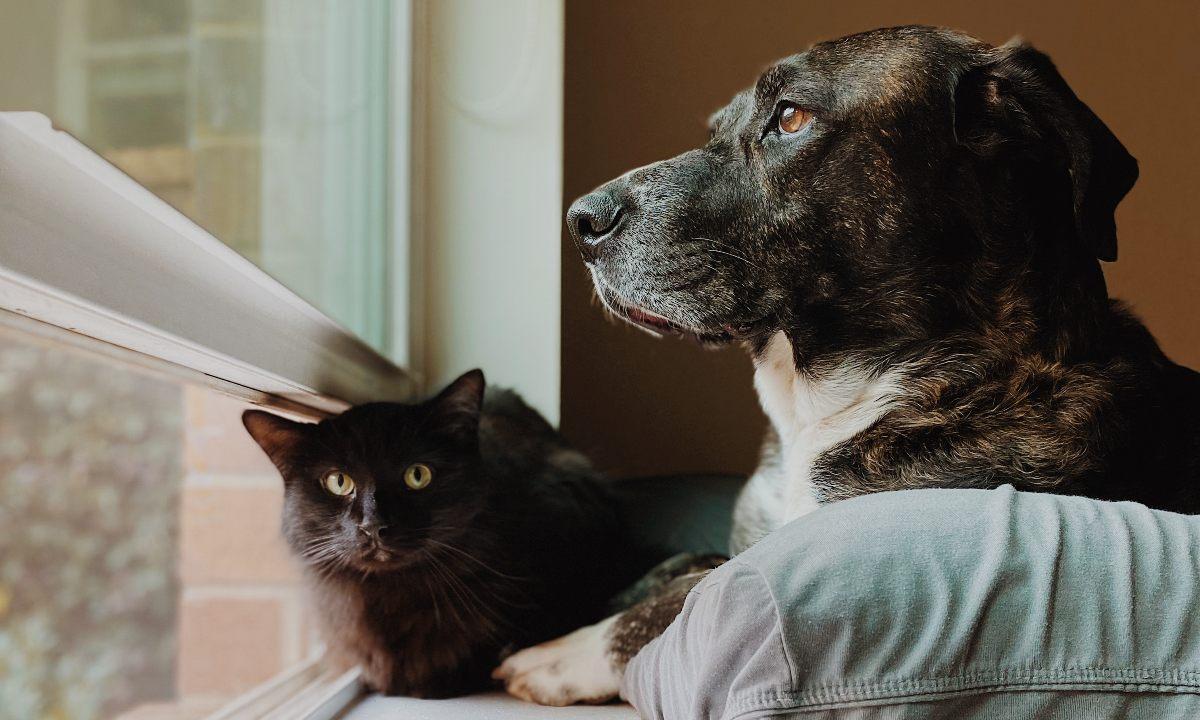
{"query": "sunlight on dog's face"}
(848, 196)
(793, 204)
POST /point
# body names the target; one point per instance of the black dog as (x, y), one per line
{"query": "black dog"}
(903, 226)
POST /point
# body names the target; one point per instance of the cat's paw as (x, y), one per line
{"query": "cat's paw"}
(575, 668)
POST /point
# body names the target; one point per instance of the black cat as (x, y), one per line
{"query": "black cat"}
(438, 535)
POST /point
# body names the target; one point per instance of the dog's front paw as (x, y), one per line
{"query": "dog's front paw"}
(575, 668)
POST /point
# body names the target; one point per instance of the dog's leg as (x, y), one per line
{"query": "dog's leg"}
(658, 577)
(586, 666)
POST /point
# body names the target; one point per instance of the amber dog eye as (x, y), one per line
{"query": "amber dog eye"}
(792, 118)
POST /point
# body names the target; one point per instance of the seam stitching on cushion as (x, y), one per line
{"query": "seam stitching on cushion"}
(775, 705)
(793, 676)
(974, 683)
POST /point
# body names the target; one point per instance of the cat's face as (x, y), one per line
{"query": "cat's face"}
(382, 485)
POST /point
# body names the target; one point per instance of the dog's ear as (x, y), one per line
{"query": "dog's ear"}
(1017, 95)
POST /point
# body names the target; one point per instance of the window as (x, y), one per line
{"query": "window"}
(265, 121)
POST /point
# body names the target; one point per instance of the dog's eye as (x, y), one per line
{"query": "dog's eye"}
(792, 118)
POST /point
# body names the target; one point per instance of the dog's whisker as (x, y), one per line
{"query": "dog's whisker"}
(734, 255)
(739, 257)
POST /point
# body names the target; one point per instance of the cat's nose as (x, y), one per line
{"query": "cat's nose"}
(373, 530)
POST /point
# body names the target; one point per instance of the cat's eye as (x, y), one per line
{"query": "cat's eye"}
(338, 483)
(793, 118)
(418, 476)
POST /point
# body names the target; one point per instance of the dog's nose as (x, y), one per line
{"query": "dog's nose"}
(591, 220)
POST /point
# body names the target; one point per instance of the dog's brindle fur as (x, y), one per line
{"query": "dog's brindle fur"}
(922, 259)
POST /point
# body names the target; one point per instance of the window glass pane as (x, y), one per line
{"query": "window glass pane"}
(142, 574)
(265, 121)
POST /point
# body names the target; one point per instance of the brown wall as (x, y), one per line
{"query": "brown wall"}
(641, 77)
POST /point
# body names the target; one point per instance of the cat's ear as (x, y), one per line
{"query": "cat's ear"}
(277, 436)
(457, 407)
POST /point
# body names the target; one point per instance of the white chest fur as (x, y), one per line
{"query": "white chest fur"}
(811, 415)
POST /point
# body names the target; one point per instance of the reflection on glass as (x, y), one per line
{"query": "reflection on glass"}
(266, 121)
(141, 570)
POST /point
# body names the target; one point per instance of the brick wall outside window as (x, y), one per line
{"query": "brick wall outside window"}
(242, 615)
(142, 573)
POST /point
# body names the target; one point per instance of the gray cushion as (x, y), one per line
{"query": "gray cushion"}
(674, 514)
(942, 603)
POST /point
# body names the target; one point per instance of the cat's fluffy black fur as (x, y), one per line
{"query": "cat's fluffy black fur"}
(516, 539)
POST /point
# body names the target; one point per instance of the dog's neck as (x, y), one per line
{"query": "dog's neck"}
(813, 413)
(1034, 283)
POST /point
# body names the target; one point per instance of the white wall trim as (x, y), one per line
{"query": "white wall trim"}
(85, 248)
(489, 82)
(407, 189)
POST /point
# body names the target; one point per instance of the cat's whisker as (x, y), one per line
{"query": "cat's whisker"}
(509, 590)
(443, 594)
(321, 554)
(481, 609)
(324, 555)
(433, 596)
(318, 546)
(448, 584)
(477, 561)
(502, 594)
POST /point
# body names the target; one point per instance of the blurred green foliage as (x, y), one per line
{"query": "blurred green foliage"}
(90, 474)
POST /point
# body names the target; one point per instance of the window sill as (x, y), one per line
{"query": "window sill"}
(493, 706)
(308, 692)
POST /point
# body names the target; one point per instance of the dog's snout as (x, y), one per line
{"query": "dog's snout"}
(591, 221)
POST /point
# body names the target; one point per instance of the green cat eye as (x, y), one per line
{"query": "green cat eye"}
(338, 483)
(418, 476)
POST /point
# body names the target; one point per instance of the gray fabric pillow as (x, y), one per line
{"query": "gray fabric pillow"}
(942, 604)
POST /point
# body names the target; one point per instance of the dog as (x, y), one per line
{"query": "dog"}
(904, 227)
